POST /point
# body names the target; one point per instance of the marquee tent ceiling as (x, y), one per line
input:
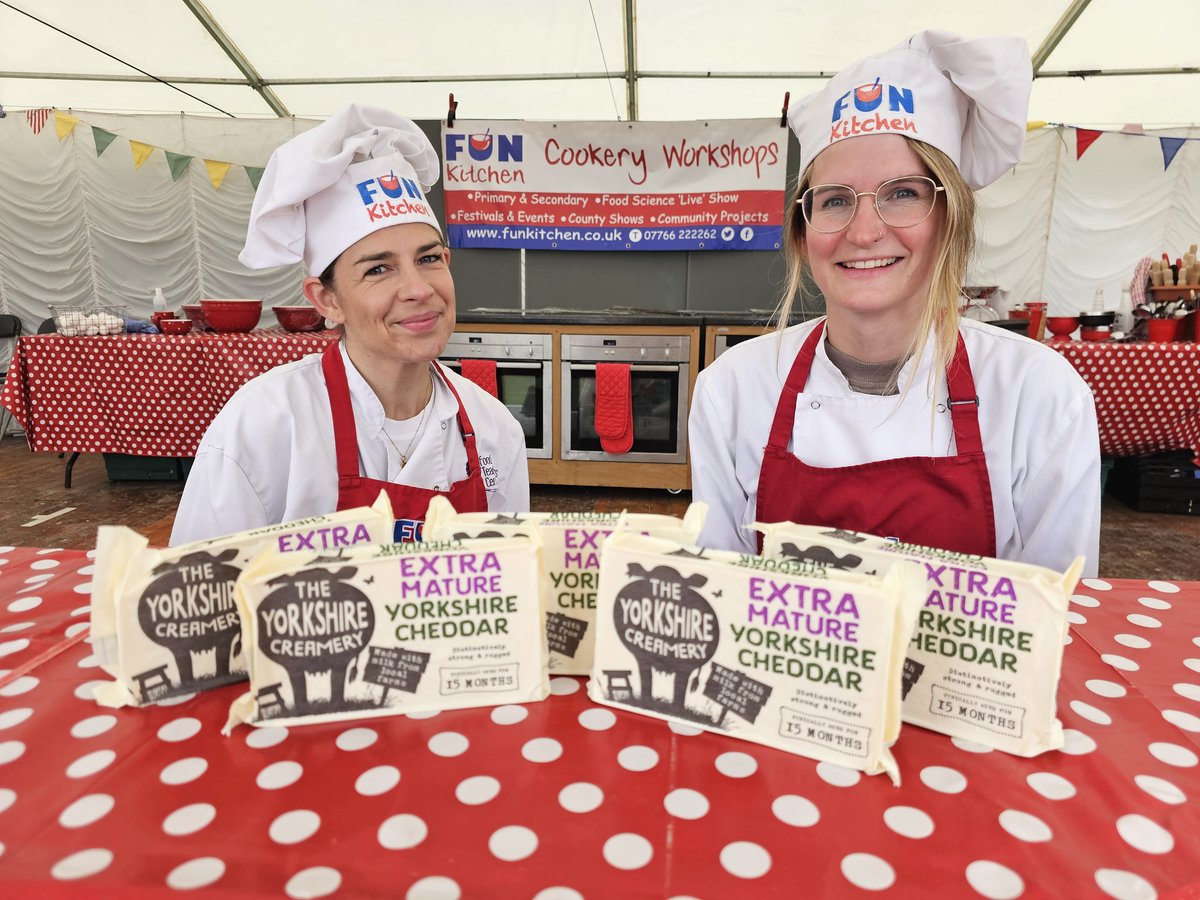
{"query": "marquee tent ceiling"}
(1099, 62)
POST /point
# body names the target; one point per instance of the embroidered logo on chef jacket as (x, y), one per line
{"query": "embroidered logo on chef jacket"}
(869, 98)
(491, 475)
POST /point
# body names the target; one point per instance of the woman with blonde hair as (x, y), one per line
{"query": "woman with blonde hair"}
(892, 415)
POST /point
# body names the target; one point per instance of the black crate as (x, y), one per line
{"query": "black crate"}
(123, 467)
(1165, 482)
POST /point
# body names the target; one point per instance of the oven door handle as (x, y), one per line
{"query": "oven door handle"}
(665, 367)
(506, 364)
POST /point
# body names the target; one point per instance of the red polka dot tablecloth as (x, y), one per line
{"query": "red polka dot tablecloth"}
(140, 394)
(1147, 395)
(565, 799)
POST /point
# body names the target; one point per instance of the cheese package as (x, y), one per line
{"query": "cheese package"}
(787, 654)
(571, 562)
(390, 630)
(987, 651)
(164, 622)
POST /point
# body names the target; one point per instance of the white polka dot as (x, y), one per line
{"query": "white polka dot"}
(580, 797)
(279, 775)
(14, 717)
(378, 780)
(402, 832)
(637, 758)
(908, 821)
(309, 884)
(1173, 754)
(1096, 584)
(684, 803)
(561, 687)
(90, 763)
(24, 604)
(1025, 827)
(261, 738)
(86, 810)
(177, 700)
(838, 776)
(1051, 786)
(794, 810)
(16, 626)
(1084, 600)
(10, 647)
(294, 826)
(509, 715)
(1160, 789)
(85, 588)
(1124, 663)
(189, 819)
(356, 739)
(1076, 743)
(994, 881)
(86, 689)
(77, 628)
(45, 564)
(83, 864)
(184, 770)
(179, 730)
(1154, 603)
(1163, 587)
(512, 843)
(196, 873)
(1076, 618)
(7, 798)
(477, 790)
(10, 750)
(970, 746)
(869, 872)
(448, 743)
(558, 893)
(92, 726)
(1193, 664)
(1145, 835)
(1143, 621)
(943, 779)
(542, 750)
(1133, 641)
(743, 859)
(1103, 688)
(684, 729)
(736, 764)
(423, 714)
(81, 611)
(1188, 690)
(1184, 721)
(597, 719)
(22, 685)
(435, 887)
(628, 851)
(1124, 885)
(1089, 712)
(39, 579)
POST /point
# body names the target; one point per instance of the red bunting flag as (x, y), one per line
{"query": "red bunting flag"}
(37, 119)
(1084, 138)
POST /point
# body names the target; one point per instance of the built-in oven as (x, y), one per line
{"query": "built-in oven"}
(524, 376)
(728, 336)
(659, 371)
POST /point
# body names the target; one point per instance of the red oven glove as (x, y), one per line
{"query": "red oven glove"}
(483, 373)
(614, 407)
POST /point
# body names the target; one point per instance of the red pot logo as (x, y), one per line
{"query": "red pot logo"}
(867, 96)
(481, 143)
(389, 182)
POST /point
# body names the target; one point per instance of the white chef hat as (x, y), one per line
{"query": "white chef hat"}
(362, 169)
(969, 97)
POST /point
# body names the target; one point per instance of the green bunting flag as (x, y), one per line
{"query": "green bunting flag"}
(254, 173)
(178, 164)
(103, 139)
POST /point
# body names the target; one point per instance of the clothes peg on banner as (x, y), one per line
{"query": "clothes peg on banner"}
(787, 96)
(450, 113)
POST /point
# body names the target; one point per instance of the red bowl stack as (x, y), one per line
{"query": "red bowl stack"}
(231, 315)
(192, 311)
(299, 318)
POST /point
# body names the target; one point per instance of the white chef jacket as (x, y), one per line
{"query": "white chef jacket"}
(1037, 419)
(269, 456)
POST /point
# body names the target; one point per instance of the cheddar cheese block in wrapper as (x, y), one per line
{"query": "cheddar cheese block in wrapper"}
(987, 651)
(389, 630)
(570, 562)
(787, 654)
(164, 622)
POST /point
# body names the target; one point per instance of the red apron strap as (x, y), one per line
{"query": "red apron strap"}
(345, 435)
(963, 402)
(464, 424)
(785, 412)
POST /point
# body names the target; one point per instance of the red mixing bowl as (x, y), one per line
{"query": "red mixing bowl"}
(192, 311)
(299, 318)
(175, 326)
(231, 315)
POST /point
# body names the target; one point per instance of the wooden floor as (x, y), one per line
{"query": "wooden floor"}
(38, 511)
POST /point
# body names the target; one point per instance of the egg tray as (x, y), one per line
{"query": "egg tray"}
(81, 321)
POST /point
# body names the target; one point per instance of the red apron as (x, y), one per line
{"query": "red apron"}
(938, 501)
(408, 503)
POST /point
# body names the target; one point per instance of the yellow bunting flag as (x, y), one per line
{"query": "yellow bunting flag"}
(141, 152)
(1035, 125)
(64, 123)
(216, 172)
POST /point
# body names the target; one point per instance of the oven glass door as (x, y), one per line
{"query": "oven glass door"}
(655, 392)
(522, 387)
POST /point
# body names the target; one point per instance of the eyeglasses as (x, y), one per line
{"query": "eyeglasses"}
(901, 203)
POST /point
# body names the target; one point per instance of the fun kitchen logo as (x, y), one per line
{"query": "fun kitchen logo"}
(481, 147)
(400, 197)
(868, 98)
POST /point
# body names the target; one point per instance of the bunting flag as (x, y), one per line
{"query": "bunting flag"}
(103, 139)
(64, 123)
(37, 118)
(141, 152)
(1170, 146)
(1084, 138)
(216, 172)
(254, 173)
(177, 163)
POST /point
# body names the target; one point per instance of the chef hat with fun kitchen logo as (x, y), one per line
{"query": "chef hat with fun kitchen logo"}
(362, 169)
(969, 97)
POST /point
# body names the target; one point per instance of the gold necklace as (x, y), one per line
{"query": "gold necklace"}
(404, 454)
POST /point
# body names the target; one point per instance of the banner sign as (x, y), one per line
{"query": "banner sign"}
(615, 185)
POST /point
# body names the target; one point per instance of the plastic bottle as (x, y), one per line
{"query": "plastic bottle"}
(1124, 321)
(1098, 300)
(160, 302)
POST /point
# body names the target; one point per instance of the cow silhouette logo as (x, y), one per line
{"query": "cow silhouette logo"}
(841, 534)
(506, 519)
(822, 556)
(189, 609)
